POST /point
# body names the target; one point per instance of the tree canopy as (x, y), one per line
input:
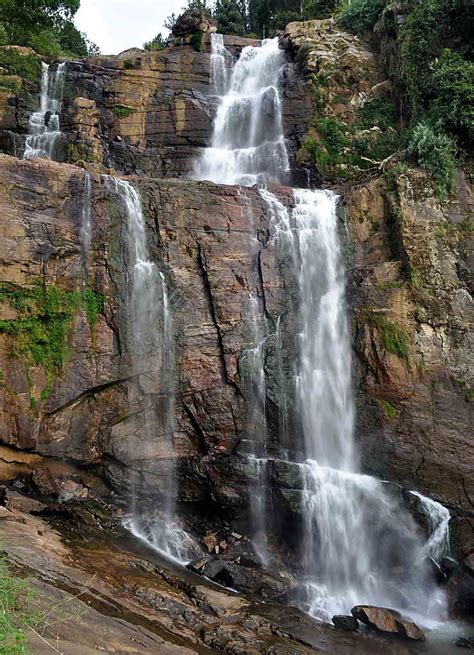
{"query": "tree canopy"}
(45, 25)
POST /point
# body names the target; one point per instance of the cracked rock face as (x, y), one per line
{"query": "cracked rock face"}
(410, 270)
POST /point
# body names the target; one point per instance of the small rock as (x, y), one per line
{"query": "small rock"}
(210, 541)
(346, 623)
(223, 545)
(465, 642)
(21, 503)
(197, 565)
(387, 620)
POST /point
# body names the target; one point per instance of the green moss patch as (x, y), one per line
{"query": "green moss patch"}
(123, 112)
(44, 319)
(15, 620)
(394, 338)
(388, 408)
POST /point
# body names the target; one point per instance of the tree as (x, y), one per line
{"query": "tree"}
(158, 43)
(229, 17)
(46, 26)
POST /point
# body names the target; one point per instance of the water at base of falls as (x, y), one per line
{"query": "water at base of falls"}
(150, 342)
(43, 127)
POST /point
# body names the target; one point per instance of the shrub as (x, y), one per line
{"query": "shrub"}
(435, 152)
(453, 87)
(26, 66)
(361, 15)
(378, 111)
(123, 112)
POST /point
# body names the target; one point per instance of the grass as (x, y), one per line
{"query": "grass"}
(26, 66)
(15, 619)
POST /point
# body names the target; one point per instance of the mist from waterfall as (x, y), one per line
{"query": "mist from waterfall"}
(43, 127)
(151, 347)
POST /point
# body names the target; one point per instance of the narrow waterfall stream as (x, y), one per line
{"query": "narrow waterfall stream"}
(44, 129)
(359, 544)
(152, 350)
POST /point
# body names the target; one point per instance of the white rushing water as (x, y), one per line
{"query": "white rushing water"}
(438, 518)
(359, 544)
(152, 351)
(221, 65)
(85, 231)
(43, 128)
(247, 145)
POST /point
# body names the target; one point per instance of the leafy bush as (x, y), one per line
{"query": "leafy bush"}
(361, 15)
(26, 66)
(158, 43)
(453, 88)
(379, 111)
(123, 112)
(435, 152)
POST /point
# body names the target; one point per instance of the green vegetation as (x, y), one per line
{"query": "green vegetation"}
(343, 151)
(15, 620)
(28, 67)
(158, 43)
(426, 49)
(393, 337)
(44, 25)
(469, 395)
(42, 327)
(197, 41)
(123, 112)
(388, 408)
(435, 152)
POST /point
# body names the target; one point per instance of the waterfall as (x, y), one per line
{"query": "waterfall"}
(221, 62)
(86, 228)
(438, 518)
(151, 346)
(359, 544)
(247, 145)
(43, 127)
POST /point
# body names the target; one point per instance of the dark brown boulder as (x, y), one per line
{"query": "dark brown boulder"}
(387, 620)
(346, 623)
(193, 21)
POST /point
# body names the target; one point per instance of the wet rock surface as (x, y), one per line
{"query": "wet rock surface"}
(387, 620)
(346, 623)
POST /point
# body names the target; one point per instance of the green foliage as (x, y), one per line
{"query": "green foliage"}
(229, 17)
(14, 619)
(158, 43)
(9, 84)
(123, 112)
(392, 336)
(197, 41)
(435, 152)
(453, 90)
(44, 319)
(388, 408)
(26, 66)
(379, 111)
(94, 304)
(469, 395)
(45, 25)
(360, 16)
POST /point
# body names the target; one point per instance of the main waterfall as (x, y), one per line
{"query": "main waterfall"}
(359, 544)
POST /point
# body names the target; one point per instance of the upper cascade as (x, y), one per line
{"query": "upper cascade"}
(43, 125)
(248, 144)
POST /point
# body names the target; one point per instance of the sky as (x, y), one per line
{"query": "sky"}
(115, 25)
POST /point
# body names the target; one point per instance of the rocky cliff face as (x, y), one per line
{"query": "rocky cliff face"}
(68, 389)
